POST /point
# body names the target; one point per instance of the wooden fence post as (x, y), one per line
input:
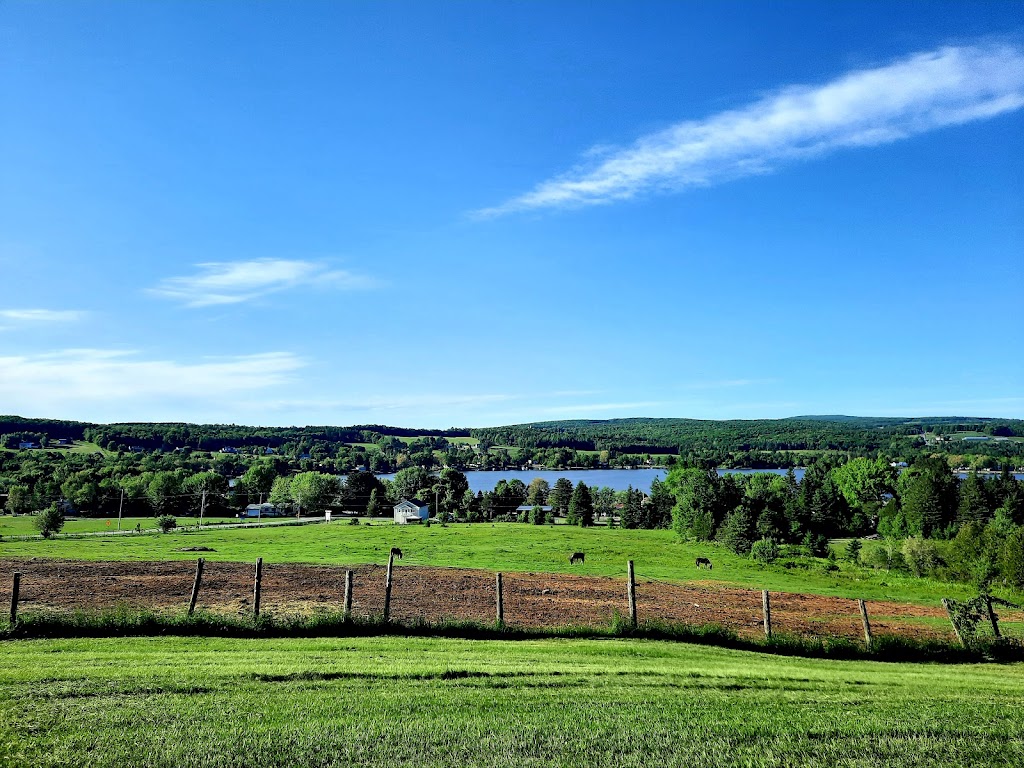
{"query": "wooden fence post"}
(992, 617)
(257, 585)
(195, 586)
(865, 622)
(766, 609)
(14, 597)
(387, 589)
(501, 606)
(632, 593)
(949, 612)
(348, 594)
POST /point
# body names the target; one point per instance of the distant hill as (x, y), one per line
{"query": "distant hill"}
(629, 435)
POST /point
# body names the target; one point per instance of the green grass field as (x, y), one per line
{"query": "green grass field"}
(501, 547)
(394, 701)
(23, 524)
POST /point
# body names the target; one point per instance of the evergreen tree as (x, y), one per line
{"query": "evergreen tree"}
(974, 502)
(631, 508)
(560, 496)
(581, 506)
(737, 532)
(373, 507)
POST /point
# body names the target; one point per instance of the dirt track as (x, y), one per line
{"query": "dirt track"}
(531, 599)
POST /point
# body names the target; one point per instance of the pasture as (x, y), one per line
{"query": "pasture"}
(386, 701)
(22, 525)
(509, 547)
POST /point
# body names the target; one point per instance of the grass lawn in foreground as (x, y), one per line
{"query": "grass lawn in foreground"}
(395, 701)
(501, 547)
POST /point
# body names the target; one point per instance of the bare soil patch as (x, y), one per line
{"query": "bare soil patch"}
(531, 599)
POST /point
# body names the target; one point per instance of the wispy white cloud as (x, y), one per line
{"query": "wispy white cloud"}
(77, 382)
(930, 90)
(237, 281)
(42, 315)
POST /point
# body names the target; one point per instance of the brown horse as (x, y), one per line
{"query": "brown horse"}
(396, 552)
(577, 557)
(703, 562)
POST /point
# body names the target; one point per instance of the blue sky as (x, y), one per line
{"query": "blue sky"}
(468, 214)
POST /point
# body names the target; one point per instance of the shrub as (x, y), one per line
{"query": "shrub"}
(353, 521)
(167, 523)
(853, 550)
(765, 551)
(817, 544)
(1011, 560)
(49, 521)
(921, 555)
(537, 516)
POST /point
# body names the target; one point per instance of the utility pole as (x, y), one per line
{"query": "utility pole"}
(202, 509)
(120, 509)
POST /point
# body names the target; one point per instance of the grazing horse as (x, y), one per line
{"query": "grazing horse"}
(577, 557)
(396, 552)
(703, 562)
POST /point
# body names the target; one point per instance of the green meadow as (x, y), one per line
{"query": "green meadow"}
(385, 701)
(658, 555)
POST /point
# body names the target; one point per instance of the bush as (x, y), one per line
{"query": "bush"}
(853, 550)
(765, 551)
(1011, 560)
(921, 555)
(817, 544)
(49, 521)
(167, 523)
(353, 521)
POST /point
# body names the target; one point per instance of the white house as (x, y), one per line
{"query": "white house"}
(265, 509)
(410, 512)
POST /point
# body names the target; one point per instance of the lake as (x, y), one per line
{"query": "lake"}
(617, 479)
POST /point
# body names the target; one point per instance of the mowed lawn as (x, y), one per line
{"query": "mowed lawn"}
(399, 701)
(510, 547)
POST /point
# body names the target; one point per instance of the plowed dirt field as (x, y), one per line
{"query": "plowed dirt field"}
(531, 599)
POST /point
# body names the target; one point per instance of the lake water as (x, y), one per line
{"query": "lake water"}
(617, 479)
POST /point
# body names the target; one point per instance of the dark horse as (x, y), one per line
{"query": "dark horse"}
(577, 557)
(703, 562)
(396, 552)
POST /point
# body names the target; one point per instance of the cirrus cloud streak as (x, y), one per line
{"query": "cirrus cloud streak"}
(867, 107)
(236, 281)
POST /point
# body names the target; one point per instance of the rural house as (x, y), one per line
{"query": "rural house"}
(411, 512)
(265, 510)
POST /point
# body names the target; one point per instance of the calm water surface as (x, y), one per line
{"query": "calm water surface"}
(617, 479)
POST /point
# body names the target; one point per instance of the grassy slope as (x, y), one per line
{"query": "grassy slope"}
(504, 547)
(415, 701)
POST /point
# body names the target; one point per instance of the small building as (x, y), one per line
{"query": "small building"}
(135, 449)
(265, 509)
(229, 449)
(65, 441)
(530, 507)
(411, 512)
(26, 445)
